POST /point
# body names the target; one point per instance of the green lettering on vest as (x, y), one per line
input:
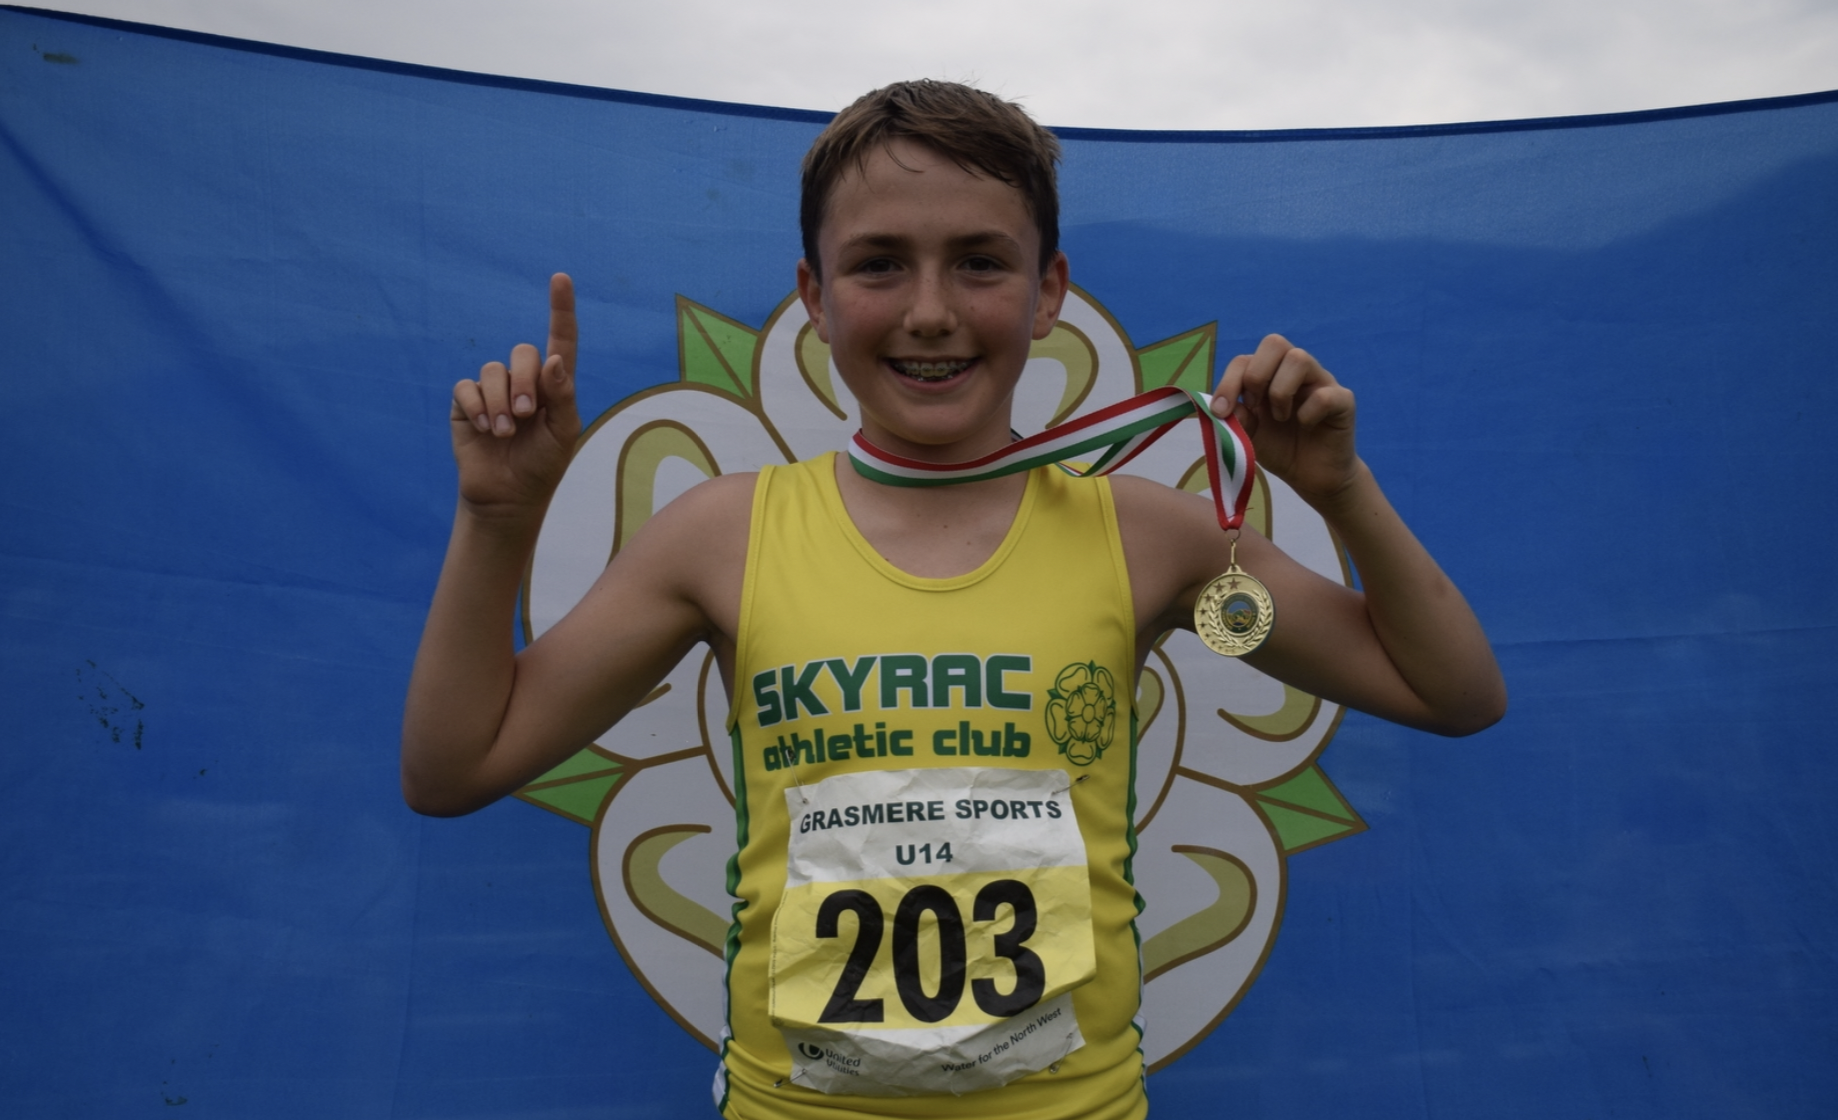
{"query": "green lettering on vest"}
(767, 698)
(851, 680)
(797, 690)
(902, 671)
(806, 750)
(1000, 697)
(957, 670)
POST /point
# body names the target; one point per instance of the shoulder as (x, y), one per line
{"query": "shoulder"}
(692, 553)
(1171, 544)
(721, 496)
(707, 522)
(1146, 508)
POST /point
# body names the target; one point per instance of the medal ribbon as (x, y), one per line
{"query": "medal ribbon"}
(1118, 433)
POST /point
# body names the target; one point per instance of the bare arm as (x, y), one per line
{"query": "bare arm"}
(1407, 647)
(481, 720)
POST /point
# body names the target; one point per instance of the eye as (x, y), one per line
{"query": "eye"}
(877, 266)
(982, 264)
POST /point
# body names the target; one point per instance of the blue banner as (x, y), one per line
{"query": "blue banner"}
(1593, 356)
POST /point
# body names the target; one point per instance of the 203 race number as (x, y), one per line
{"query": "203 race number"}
(845, 1006)
(903, 941)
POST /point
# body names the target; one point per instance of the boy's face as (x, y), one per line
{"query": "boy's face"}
(930, 297)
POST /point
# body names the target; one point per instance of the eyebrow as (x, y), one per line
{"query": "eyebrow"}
(895, 241)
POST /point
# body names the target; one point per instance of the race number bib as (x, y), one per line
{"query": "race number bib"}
(933, 927)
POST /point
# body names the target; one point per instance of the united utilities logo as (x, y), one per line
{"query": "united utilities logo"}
(834, 1061)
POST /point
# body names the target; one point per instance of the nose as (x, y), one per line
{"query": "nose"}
(931, 313)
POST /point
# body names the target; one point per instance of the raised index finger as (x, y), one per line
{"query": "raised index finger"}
(563, 333)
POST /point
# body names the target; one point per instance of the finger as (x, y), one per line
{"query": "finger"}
(469, 405)
(564, 331)
(1231, 382)
(1261, 368)
(558, 401)
(1327, 406)
(1297, 375)
(495, 386)
(525, 367)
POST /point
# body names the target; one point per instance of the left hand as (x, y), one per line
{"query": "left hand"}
(514, 429)
(1299, 418)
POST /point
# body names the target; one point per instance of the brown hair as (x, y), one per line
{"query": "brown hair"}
(978, 131)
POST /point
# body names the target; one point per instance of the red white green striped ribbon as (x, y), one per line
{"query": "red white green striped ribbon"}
(1117, 433)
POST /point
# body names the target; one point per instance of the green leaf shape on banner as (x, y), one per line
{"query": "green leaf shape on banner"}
(715, 351)
(1185, 361)
(577, 788)
(1308, 811)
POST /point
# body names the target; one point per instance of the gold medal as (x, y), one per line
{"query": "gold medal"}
(1234, 613)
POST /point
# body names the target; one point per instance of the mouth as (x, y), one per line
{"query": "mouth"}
(933, 370)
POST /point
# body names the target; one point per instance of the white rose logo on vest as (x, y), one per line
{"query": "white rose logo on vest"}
(1082, 712)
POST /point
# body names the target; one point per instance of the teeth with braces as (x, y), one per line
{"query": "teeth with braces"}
(930, 371)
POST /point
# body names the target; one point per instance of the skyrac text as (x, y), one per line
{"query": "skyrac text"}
(909, 680)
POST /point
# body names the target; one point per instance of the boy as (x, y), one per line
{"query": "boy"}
(938, 616)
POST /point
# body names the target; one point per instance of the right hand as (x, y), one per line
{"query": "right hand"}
(1300, 419)
(514, 428)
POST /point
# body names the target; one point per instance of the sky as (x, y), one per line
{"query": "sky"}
(1166, 64)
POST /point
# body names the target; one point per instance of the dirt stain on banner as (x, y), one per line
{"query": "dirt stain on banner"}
(110, 704)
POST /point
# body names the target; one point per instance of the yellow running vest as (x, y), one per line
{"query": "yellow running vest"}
(935, 796)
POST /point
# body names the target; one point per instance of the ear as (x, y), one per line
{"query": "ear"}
(1054, 283)
(810, 294)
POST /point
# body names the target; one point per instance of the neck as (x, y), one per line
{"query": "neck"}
(936, 532)
(990, 436)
